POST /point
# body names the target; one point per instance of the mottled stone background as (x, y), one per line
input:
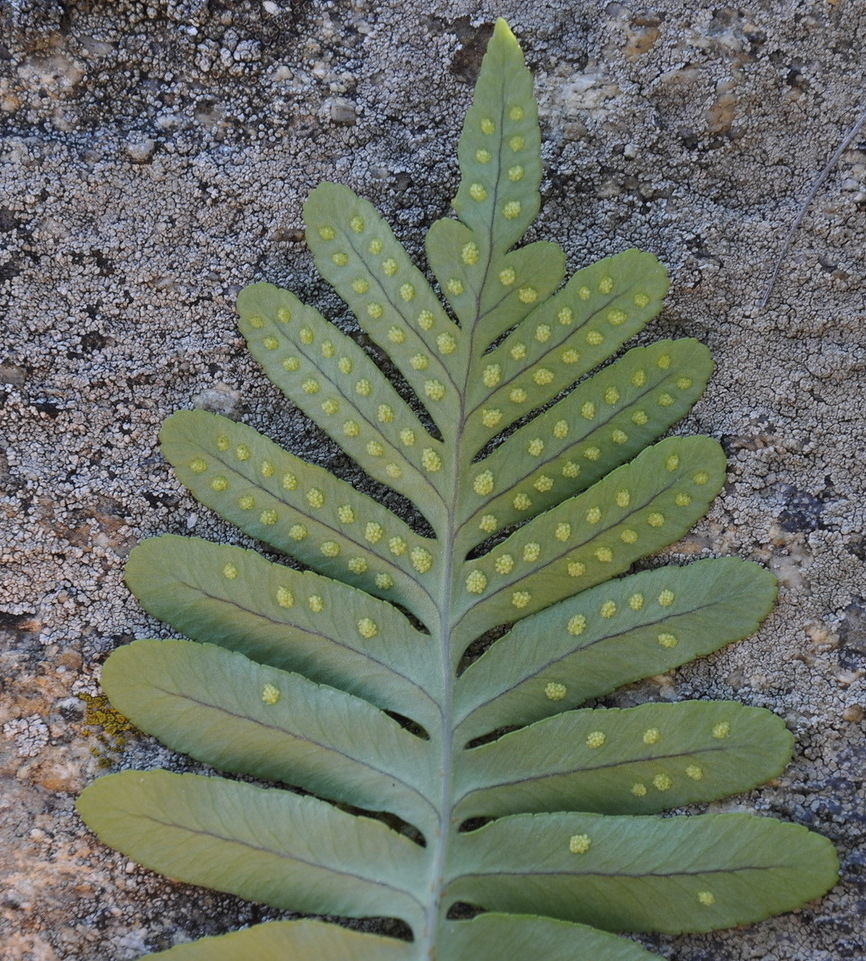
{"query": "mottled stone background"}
(154, 159)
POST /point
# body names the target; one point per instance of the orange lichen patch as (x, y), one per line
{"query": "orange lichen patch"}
(98, 713)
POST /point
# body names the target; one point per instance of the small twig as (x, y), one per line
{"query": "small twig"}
(831, 163)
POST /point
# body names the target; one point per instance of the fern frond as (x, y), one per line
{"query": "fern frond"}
(354, 687)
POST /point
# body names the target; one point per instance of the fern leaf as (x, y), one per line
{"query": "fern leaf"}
(643, 873)
(482, 938)
(634, 511)
(357, 680)
(571, 652)
(298, 508)
(339, 387)
(298, 940)
(291, 620)
(241, 717)
(640, 760)
(284, 850)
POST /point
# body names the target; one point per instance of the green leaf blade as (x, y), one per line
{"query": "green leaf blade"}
(267, 845)
(640, 760)
(634, 511)
(483, 939)
(298, 940)
(643, 873)
(291, 620)
(562, 339)
(243, 718)
(558, 659)
(298, 508)
(390, 297)
(615, 413)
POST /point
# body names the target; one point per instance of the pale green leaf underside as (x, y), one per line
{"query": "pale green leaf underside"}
(244, 718)
(295, 940)
(350, 679)
(643, 873)
(295, 621)
(265, 844)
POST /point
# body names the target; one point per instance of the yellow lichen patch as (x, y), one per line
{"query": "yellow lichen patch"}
(98, 712)
(651, 735)
(270, 694)
(579, 843)
(554, 691)
(367, 627)
(595, 739)
(576, 625)
(316, 603)
(476, 582)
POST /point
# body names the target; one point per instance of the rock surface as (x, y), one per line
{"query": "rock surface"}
(154, 159)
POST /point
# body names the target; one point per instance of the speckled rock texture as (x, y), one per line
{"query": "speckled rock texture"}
(154, 159)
